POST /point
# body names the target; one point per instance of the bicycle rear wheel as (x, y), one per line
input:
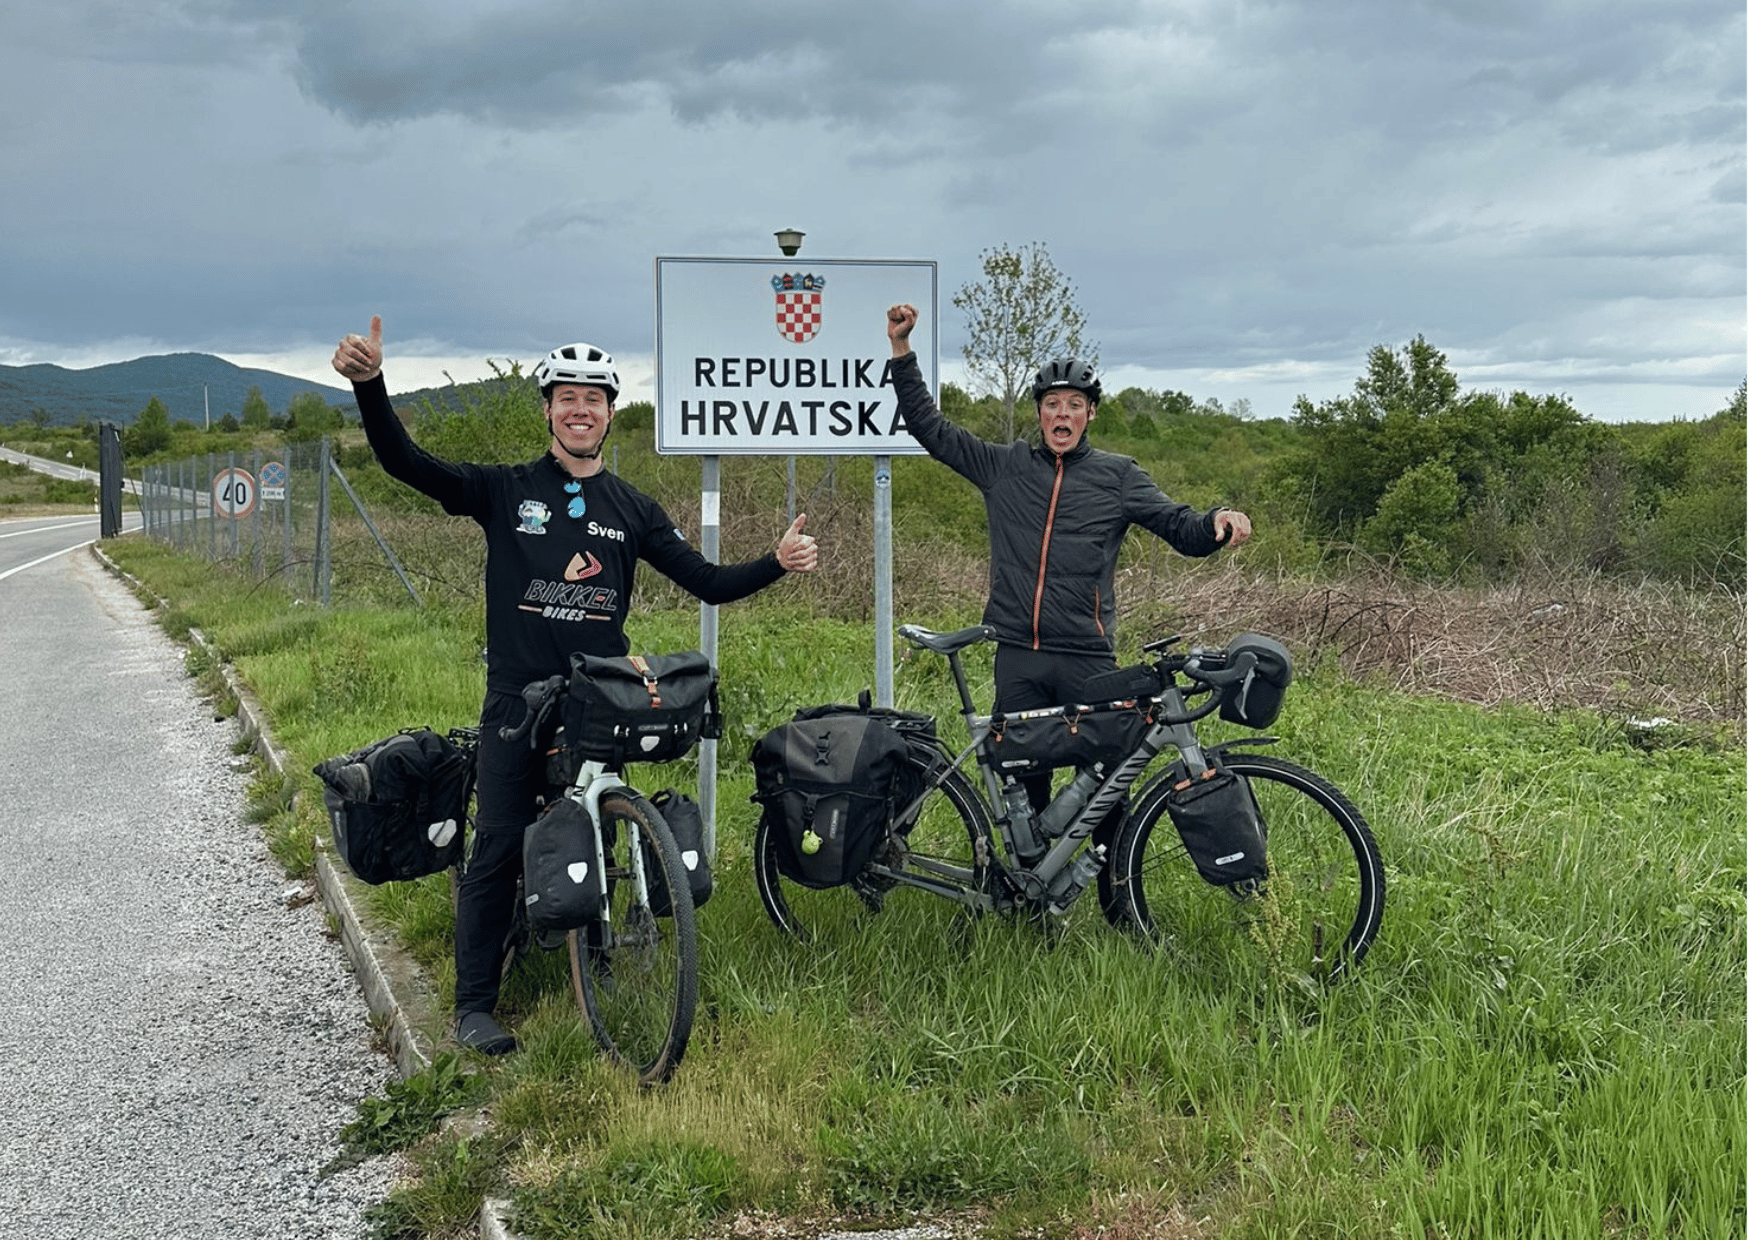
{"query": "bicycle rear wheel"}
(944, 844)
(1316, 913)
(635, 973)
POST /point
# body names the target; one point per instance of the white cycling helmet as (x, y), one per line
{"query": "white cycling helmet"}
(578, 363)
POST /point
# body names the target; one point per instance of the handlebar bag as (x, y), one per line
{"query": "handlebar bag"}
(397, 805)
(640, 708)
(1255, 700)
(1026, 741)
(827, 787)
(1221, 825)
(561, 884)
(686, 821)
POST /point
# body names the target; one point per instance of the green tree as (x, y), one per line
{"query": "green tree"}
(150, 432)
(257, 414)
(39, 417)
(1021, 315)
(498, 420)
(309, 417)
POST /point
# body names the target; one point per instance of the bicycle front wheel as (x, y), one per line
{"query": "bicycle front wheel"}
(1314, 916)
(635, 970)
(942, 848)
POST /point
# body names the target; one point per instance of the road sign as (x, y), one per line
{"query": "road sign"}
(784, 356)
(273, 479)
(233, 493)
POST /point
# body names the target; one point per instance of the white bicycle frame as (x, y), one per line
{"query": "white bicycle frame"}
(593, 781)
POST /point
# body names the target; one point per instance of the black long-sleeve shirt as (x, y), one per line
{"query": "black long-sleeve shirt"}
(555, 582)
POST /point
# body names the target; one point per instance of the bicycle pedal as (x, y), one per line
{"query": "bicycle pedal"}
(872, 896)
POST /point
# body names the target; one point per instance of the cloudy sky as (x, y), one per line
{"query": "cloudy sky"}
(1247, 195)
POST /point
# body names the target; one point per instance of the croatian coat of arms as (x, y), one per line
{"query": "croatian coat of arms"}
(798, 306)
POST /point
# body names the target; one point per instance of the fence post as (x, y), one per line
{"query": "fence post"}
(211, 510)
(321, 583)
(259, 559)
(370, 525)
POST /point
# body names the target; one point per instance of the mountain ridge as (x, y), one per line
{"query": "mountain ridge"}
(189, 385)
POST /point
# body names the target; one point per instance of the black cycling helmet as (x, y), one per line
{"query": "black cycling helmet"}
(1067, 372)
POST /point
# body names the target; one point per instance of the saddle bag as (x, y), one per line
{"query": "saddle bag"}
(398, 805)
(1221, 825)
(828, 784)
(686, 821)
(561, 884)
(639, 708)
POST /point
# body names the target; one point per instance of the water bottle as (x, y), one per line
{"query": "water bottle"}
(1072, 881)
(1019, 811)
(1056, 816)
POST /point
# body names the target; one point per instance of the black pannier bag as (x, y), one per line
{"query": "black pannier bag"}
(561, 884)
(399, 805)
(1221, 825)
(1255, 700)
(828, 785)
(640, 708)
(686, 821)
(1027, 741)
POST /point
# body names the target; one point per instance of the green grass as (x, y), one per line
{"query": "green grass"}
(1547, 1039)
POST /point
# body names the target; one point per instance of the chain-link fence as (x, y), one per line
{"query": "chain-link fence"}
(288, 515)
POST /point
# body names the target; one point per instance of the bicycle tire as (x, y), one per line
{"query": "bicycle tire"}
(1325, 876)
(634, 974)
(947, 839)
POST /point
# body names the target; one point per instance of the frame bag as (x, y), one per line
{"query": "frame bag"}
(1027, 741)
(639, 708)
(398, 805)
(1221, 826)
(828, 785)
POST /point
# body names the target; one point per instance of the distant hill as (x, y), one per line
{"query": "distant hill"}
(185, 382)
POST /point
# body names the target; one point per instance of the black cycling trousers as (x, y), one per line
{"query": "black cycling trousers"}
(1027, 679)
(512, 780)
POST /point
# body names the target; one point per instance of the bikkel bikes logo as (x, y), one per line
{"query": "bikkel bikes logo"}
(798, 306)
(572, 598)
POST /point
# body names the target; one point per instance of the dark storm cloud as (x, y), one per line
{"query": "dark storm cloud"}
(1230, 185)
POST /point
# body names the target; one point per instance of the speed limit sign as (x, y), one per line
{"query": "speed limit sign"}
(233, 493)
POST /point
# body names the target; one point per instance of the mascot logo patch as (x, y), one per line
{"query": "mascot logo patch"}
(534, 516)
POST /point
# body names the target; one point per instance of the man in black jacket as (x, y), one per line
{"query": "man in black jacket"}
(1057, 515)
(563, 537)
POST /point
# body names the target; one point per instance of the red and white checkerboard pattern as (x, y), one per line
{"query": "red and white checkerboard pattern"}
(798, 316)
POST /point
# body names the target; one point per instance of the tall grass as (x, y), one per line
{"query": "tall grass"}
(1546, 1040)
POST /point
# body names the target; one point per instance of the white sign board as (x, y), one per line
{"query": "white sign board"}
(785, 356)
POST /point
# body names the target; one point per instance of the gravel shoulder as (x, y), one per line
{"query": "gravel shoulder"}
(185, 1042)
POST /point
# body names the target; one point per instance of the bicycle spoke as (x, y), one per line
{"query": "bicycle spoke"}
(636, 974)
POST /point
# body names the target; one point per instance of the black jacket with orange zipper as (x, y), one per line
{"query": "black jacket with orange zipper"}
(1056, 524)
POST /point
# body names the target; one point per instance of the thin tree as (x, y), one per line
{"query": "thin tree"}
(1019, 316)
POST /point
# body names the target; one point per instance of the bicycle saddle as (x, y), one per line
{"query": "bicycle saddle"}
(946, 643)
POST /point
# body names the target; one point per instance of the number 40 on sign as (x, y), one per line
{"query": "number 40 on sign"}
(233, 493)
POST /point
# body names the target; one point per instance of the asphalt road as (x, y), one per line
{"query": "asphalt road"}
(181, 1044)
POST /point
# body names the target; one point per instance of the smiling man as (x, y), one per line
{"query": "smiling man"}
(1057, 513)
(563, 538)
